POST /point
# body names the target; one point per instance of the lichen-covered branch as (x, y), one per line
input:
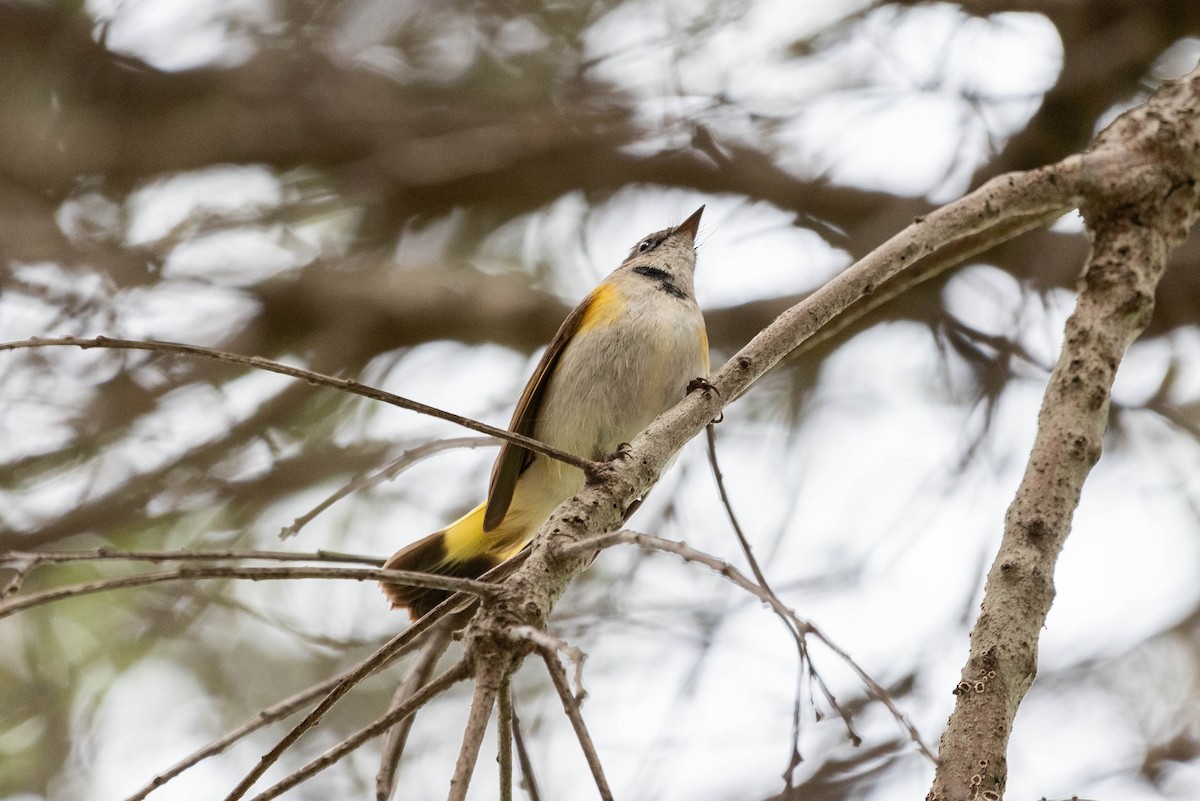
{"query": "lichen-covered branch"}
(1136, 214)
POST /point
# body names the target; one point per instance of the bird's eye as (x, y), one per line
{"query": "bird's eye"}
(645, 245)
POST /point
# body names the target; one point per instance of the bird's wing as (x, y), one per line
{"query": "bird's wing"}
(513, 459)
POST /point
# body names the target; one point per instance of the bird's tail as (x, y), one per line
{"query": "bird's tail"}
(461, 549)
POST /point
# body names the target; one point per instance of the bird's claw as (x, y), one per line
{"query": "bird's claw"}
(622, 452)
(704, 385)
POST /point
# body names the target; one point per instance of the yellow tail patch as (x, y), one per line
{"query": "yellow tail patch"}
(462, 549)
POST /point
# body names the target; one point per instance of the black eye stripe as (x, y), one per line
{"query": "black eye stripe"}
(662, 278)
(653, 273)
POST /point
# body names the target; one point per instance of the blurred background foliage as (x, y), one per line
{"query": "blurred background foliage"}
(414, 194)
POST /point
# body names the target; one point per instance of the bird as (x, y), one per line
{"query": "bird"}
(631, 349)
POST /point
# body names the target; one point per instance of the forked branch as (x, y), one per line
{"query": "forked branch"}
(1135, 219)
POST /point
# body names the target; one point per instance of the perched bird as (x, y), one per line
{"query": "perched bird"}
(623, 356)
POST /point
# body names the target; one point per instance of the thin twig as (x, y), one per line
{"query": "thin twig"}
(803, 661)
(194, 573)
(710, 435)
(796, 757)
(488, 680)
(265, 717)
(269, 715)
(831, 699)
(504, 734)
(320, 379)
(558, 677)
(416, 677)
(684, 551)
(109, 554)
(452, 676)
(728, 571)
(398, 465)
(548, 642)
(393, 649)
(21, 566)
(383, 656)
(528, 779)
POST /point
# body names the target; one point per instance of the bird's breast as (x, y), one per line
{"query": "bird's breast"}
(628, 365)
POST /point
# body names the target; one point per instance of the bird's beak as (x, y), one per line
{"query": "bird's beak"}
(691, 224)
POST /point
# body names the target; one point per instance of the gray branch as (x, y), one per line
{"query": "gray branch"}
(1136, 215)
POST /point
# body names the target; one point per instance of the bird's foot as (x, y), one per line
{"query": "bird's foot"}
(622, 452)
(701, 383)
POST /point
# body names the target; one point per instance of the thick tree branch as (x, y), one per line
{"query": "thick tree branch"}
(1135, 217)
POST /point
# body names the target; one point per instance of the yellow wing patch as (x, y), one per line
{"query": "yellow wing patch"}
(704, 348)
(604, 307)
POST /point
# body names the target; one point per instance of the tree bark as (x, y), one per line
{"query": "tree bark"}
(1137, 211)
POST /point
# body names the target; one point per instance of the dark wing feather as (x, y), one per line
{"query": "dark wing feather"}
(513, 459)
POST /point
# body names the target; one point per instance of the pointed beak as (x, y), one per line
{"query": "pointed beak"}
(691, 224)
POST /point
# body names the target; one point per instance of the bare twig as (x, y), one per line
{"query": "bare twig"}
(263, 718)
(804, 662)
(831, 699)
(723, 568)
(548, 642)
(382, 657)
(684, 551)
(109, 554)
(417, 676)
(528, 779)
(711, 437)
(21, 565)
(452, 676)
(343, 384)
(195, 573)
(559, 677)
(489, 678)
(504, 733)
(287, 707)
(397, 466)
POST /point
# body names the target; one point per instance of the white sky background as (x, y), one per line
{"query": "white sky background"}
(875, 470)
